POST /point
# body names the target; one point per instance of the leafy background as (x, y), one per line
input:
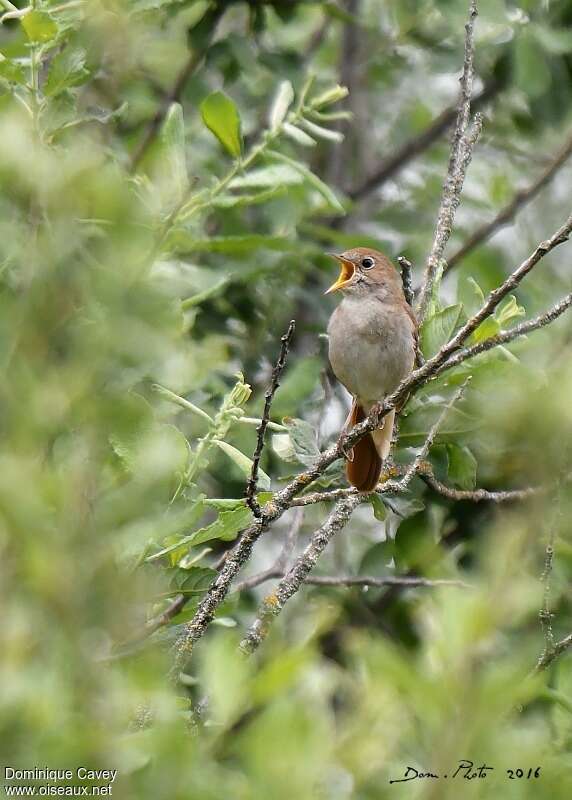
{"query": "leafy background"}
(148, 266)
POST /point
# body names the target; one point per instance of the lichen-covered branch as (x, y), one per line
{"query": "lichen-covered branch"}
(294, 578)
(549, 655)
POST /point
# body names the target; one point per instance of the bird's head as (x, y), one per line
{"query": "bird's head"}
(364, 269)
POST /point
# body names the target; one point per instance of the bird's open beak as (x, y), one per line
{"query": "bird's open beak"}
(346, 273)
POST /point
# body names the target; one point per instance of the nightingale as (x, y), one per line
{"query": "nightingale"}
(372, 338)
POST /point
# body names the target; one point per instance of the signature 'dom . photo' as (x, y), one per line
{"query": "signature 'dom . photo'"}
(286, 399)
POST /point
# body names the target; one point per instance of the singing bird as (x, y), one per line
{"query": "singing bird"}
(372, 344)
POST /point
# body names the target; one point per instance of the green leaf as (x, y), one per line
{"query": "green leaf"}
(379, 509)
(11, 71)
(330, 96)
(377, 558)
(268, 176)
(173, 141)
(195, 580)
(488, 328)
(66, 70)
(226, 527)
(439, 328)
(298, 136)
(509, 311)
(415, 426)
(281, 104)
(244, 463)
(221, 117)
(283, 447)
(304, 440)
(327, 193)
(532, 73)
(256, 198)
(553, 40)
(322, 133)
(462, 466)
(39, 26)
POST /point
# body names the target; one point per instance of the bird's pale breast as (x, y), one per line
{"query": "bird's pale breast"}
(371, 346)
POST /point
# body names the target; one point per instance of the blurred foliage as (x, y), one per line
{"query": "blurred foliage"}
(148, 266)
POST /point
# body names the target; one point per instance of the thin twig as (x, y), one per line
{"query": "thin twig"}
(414, 147)
(479, 495)
(282, 499)
(461, 149)
(419, 459)
(405, 581)
(508, 213)
(252, 483)
(296, 575)
(545, 614)
(174, 608)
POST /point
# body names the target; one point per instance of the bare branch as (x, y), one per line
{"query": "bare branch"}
(508, 213)
(411, 149)
(295, 577)
(405, 581)
(461, 150)
(251, 485)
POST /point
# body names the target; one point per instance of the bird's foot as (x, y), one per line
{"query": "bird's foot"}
(348, 452)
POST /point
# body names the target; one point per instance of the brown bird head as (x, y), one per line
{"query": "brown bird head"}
(365, 270)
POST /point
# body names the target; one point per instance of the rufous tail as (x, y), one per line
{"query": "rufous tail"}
(364, 468)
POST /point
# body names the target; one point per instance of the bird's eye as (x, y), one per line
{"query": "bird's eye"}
(367, 262)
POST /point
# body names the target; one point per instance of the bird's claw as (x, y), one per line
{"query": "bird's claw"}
(348, 452)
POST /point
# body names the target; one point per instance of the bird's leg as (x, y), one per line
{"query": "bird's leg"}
(348, 452)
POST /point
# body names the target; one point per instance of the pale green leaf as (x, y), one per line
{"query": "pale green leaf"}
(271, 176)
(488, 328)
(298, 136)
(438, 329)
(283, 447)
(304, 440)
(244, 463)
(327, 193)
(322, 133)
(462, 466)
(509, 311)
(221, 117)
(330, 96)
(173, 142)
(281, 104)
(40, 26)
(67, 69)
